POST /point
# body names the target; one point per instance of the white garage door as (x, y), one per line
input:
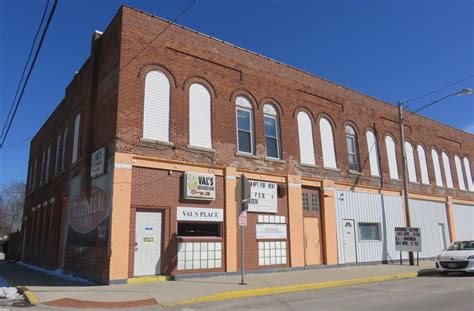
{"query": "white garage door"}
(464, 221)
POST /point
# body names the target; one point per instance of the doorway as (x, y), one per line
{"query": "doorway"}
(148, 231)
(350, 254)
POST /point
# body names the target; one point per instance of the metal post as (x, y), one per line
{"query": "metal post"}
(400, 258)
(404, 170)
(417, 258)
(242, 256)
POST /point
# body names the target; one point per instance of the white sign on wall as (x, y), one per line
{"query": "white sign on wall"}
(200, 214)
(271, 231)
(407, 239)
(199, 186)
(263, 197)
(98, 162)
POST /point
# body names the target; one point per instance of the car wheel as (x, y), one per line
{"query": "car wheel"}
(444, 272)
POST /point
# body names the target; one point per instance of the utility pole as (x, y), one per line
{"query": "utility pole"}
(244, 189)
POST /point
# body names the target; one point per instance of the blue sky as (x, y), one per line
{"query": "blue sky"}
(391, 50)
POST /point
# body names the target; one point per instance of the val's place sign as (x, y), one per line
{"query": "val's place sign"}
(407, 239)
(200, 214)
(263, 197)
(199, 186)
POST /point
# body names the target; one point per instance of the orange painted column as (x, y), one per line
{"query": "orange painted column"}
(230, 219)
(329, 222)
(450, 216)
(120, 220)
(295, 221)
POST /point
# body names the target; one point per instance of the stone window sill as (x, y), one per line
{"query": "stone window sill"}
(352, 172)
(309, 165)
(246, 155)
(197, 148)
(331, 169)
(155, 141)
(275, 160)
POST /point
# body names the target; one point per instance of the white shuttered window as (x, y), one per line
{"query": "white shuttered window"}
(75, 141)
(48, 160)
(410, 162)
(199, 116)
(447, 170)
(467, 169)
(457, 163)
(425, 179)
(437, 168)
(156, 111)
(392, 157)
(63, 156)
(305, 134)
(327, 143)
(58, 154)
(373, 154)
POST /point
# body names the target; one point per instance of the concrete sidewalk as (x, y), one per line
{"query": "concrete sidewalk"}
(57, 292)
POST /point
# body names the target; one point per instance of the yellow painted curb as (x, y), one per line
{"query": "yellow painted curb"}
(289, 289)
(32, 299)
(148, 279)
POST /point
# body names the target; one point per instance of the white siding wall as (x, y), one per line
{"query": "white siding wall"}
(305, 134)
(373, 154)
(463, 221)
(156, 110)
(423, 166)
(392, 157)
(437, 168)
(427, 215)
(369, 207)
(467, 169)
(457, 163)
(410, 162)
(447, 170)
(75, 141)
(327, 143)
(199, 116)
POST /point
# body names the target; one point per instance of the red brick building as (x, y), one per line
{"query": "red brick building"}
(151, 122)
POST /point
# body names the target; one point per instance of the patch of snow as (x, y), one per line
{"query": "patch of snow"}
(57, 273)
(8, 293)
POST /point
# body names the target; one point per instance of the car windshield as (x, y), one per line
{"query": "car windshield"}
(460, 246)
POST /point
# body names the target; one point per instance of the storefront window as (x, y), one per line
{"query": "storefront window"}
(369, 231)
(197, 229)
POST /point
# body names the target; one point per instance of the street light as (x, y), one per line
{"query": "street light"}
(466, 91)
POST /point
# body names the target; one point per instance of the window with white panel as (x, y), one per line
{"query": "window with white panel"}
(425, 179)
(244, 116)
(63, 155)
(467, 169)
(156, 110)
(305, 135)
(43, 166)
(392, 157)
(75, 141)
(447, 170)
(459, 173)
(373, 154)
(327, 143)
(352, 148)
(437, 168)
(58, 154)
(272, 131)
(200, 116)
(410, 162)
(48, 160)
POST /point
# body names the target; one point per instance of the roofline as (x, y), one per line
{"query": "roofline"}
(283, 64)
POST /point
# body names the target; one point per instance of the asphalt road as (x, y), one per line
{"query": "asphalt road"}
(454, 292)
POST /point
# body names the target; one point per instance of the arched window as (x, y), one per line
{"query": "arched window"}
(373, 153)
(410, 162)
(467, 169)
(437, 168)
(457, 163)
(58, 154)
(447, 170)
(199, 116)
(425, 179)
(272, 131)
(63, 155)
(156, 110)
(392, 157)
(352, 148)
(305, 134)
(245, 135)
(75, 141)
(327, 143)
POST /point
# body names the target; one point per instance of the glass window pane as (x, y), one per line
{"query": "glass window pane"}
(270, 127)
(243, 119)
(350, 144)
(245, 142)
(272, 148)
(369, 231)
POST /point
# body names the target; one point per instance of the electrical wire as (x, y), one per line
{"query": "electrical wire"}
(18, 143)
(40, 44)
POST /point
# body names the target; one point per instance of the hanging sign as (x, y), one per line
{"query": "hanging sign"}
(407, 239)
(263, 197)
(199, 186)
(98, 162)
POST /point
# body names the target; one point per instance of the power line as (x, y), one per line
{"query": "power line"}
(45, 30)
(18, 143)
(160, 33)
(24, 68)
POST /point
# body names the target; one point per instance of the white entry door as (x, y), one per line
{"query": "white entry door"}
(442, 236)
(147, 243)
(349, 241)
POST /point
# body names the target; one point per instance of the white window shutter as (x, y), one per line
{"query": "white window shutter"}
(305, 134)
(410, 162)
(43, 166)
(425, 179)
(467, 169)
(327, 143)
(457, 163)
(63, 156)
(48, 160)
(199, 116)
(392, 157)
(373, 154)
(33, 187)
(447, 170)
(75, 142)
(156, 111)
(58, 154)
(437, 168)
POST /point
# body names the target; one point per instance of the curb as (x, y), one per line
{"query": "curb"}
(289, 289)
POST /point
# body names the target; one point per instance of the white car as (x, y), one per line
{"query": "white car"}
(459, 256)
